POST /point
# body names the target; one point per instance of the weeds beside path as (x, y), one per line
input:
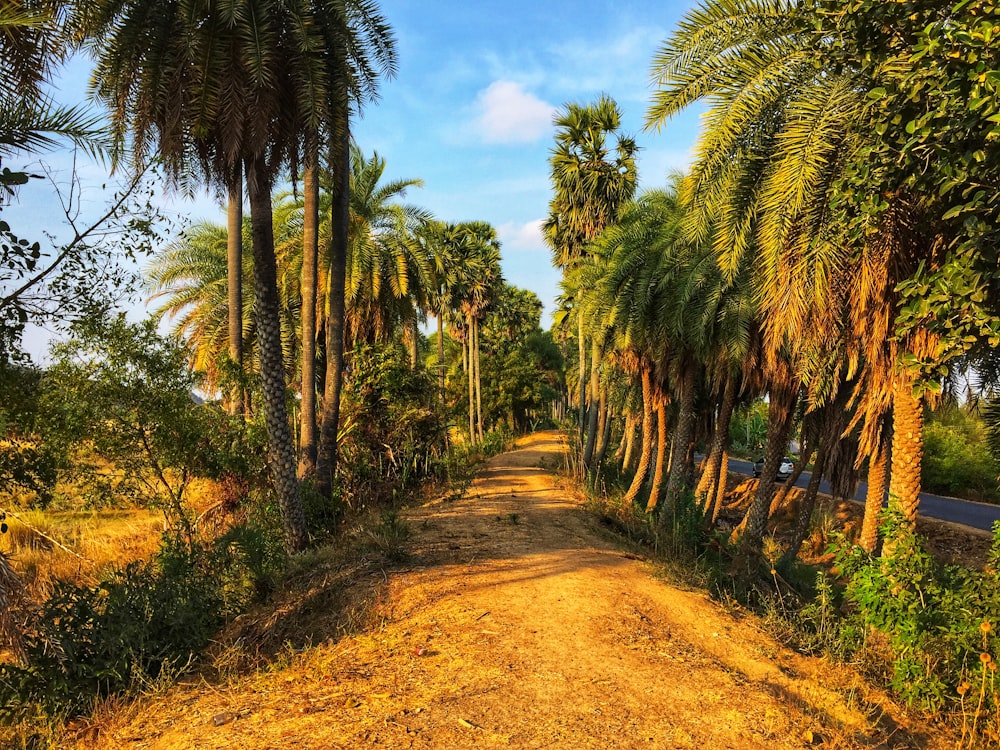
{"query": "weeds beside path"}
(515, 621)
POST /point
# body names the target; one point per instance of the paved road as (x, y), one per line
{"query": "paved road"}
(977, 515)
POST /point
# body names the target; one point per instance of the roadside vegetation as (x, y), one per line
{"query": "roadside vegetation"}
(826, 271)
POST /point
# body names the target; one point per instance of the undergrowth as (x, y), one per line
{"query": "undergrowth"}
(925, 629)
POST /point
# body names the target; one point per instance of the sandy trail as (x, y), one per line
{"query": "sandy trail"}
(517, 622)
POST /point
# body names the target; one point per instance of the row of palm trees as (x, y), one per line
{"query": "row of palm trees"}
(754, 274)
(236, 95)
(401, 266)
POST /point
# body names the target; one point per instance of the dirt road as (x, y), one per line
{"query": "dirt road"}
(516, 622)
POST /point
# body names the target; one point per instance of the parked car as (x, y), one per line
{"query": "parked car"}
(785, 468)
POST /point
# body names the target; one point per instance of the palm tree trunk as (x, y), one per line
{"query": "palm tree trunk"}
(234, 255)
(808, 504)
(281, 454)
(440, 342)
(414, 336)
(907, 448)
(583, 373)
(782, 494)
(593, 411)
(720, 487)
(877, 475)
(779, 424)
(479, 382)
(720, 439)
(682, 437)
(661, 453)
(310, 260)
(472, 384)
(340, 163)
(604, 430)
(646, 454)
(625, 444)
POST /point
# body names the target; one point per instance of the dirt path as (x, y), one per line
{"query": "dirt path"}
(518, 623)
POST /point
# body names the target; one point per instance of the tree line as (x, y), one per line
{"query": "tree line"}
(833, 247)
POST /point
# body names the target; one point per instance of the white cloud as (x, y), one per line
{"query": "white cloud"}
(522, 236)
(509, 114)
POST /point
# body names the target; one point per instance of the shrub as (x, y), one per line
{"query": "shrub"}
(938, 620)
(392, 436)
(142, 622)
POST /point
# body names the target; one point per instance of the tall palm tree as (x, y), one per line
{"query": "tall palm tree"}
(636, 256)
(364, 51)
(212, 89)
(593, 176)
(439, 283)
(384, 275)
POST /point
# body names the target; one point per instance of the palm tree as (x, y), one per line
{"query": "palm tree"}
(475, 252)
(593, 176)
(32, 41)
(634, 257)
(439, 283)
(191, 278)
(363, 51)
(160, 71)
(779, 134)
(383, 284)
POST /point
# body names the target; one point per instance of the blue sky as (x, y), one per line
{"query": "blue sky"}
(470, 113)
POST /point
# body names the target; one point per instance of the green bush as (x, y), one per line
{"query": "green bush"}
(143, 622)
(392, 437)
(939, 621)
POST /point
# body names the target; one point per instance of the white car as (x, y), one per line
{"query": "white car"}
(785, 468)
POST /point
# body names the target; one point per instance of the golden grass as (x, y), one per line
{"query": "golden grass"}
(79, 546)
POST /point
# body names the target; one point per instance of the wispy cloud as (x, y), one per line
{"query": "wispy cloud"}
(526, 236)
(506, 113)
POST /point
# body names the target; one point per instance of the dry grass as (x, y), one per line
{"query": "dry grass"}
(46, 547)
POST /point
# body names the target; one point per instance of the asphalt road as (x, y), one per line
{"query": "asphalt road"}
(965, 512)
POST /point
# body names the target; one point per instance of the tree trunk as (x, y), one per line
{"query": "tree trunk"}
(647, 439)
(631, 426)
(907, 448)
(782, 494)
(234, 281)
(472, 383)
(622, 448)
(440, 342)
(808, 504)
(593, 411)
(414, 341)
(720, 440)
(583, 374)
(779, 423)
(604, 430)
(682, 437)
(874, 498)
(310, 260)
(281, 454)
(661, 454)
(479, 382)
(720, 487)
(340, 163)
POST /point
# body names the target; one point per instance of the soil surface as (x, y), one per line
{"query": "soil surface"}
(516, 621)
